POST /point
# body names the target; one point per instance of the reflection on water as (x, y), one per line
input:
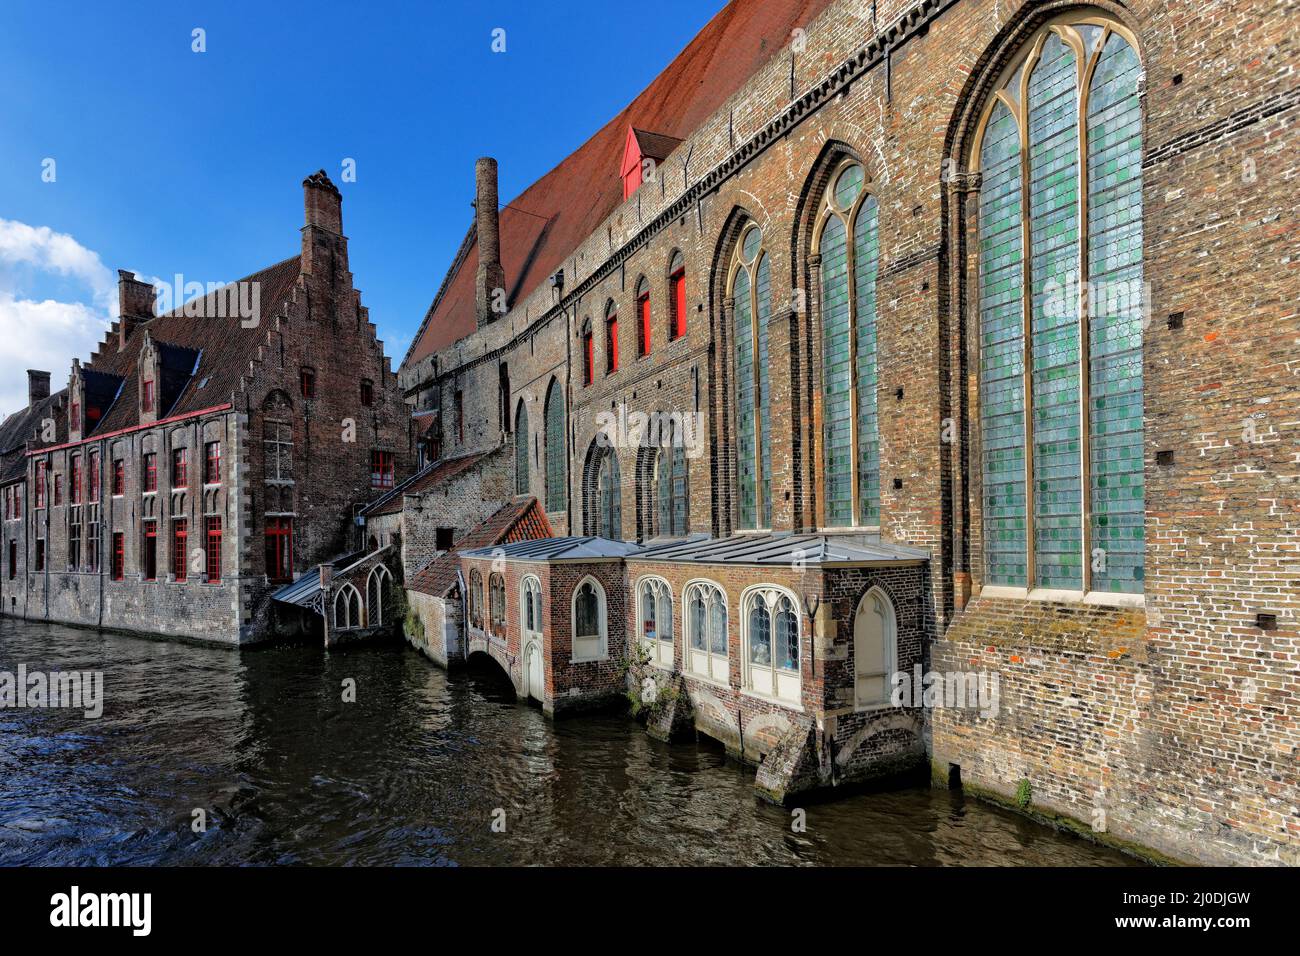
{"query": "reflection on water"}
(411, 774)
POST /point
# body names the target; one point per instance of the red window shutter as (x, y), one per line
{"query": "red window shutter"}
(679, 303)
(214, 549)
(643, 309)
(180, 545)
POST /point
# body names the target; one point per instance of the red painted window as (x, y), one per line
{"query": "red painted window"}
(149, 559)
(180, 471)
(588, 356)
(279, 549)
(93, 477)
(367, 392)
(119, 556)
(212, 463)
(643, 325)
(147, 402)
(74, 417)
(151, 472)
(119, 477)
(180, 545)
(74, 481)
(214, 548)
(678, 283)
(40, 484)
(611, 343)
(307, 383)
(57, 481)
(381, 469)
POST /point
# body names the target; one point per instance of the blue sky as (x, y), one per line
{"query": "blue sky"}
(170, 161)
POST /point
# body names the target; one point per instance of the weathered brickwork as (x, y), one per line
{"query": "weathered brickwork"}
(1176, 716)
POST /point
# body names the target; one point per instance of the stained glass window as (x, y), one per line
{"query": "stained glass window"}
(557, 492)
(1061, 195)
(850, 433)
(608, 521)
(521, 450)
(670, 483)
(752, 294)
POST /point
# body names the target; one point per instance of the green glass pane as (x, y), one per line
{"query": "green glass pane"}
(521, 450)
(1115, 319)
(556, 454)
(847, 187)
(1054, 270)
(1001, 305)
(745, 418)
(866, 265)
(763, 297)
(837, 384)
(750, 249)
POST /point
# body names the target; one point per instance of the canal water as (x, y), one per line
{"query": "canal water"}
(413, 772)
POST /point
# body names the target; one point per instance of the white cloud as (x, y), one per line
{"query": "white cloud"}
(47, 333)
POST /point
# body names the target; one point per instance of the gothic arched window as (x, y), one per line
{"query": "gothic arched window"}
(751, 292)
(771, 640)
(670, 497)
(557, 491)
(705, 652)
(521, 449)
(1060, 298)
(849, 246)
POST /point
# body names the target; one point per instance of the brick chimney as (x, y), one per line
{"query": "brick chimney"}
(324, 203)
(490, 277)
(324, 249)
(38, 386)
(135, 304)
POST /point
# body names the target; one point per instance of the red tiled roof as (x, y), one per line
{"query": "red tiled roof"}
(517, 520)
(546, 222)
(431, 475)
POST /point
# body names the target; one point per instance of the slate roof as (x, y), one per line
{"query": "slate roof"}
(559, 549)
(783, 548)
(428, 477)
(25, 424)
(520, 519)
(202, 358)
(545, 223)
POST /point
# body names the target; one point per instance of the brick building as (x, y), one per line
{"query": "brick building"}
(203, 458)
(1010, 286)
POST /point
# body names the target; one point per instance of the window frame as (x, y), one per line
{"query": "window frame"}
(771, 595)
(761, 381)
(1019, 68)
(594, 647)
(848, 218)
(716, 668)
(661, 650)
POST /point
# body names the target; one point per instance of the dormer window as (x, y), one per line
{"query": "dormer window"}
(146, 401)
(643, 151)
(74, 417)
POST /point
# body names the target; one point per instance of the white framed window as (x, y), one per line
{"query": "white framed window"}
(705, 650)
(771, 641)
(875, 649)
(655, 612)
(590, 634)
(347, 608)
(530, 607)
(377, 585)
